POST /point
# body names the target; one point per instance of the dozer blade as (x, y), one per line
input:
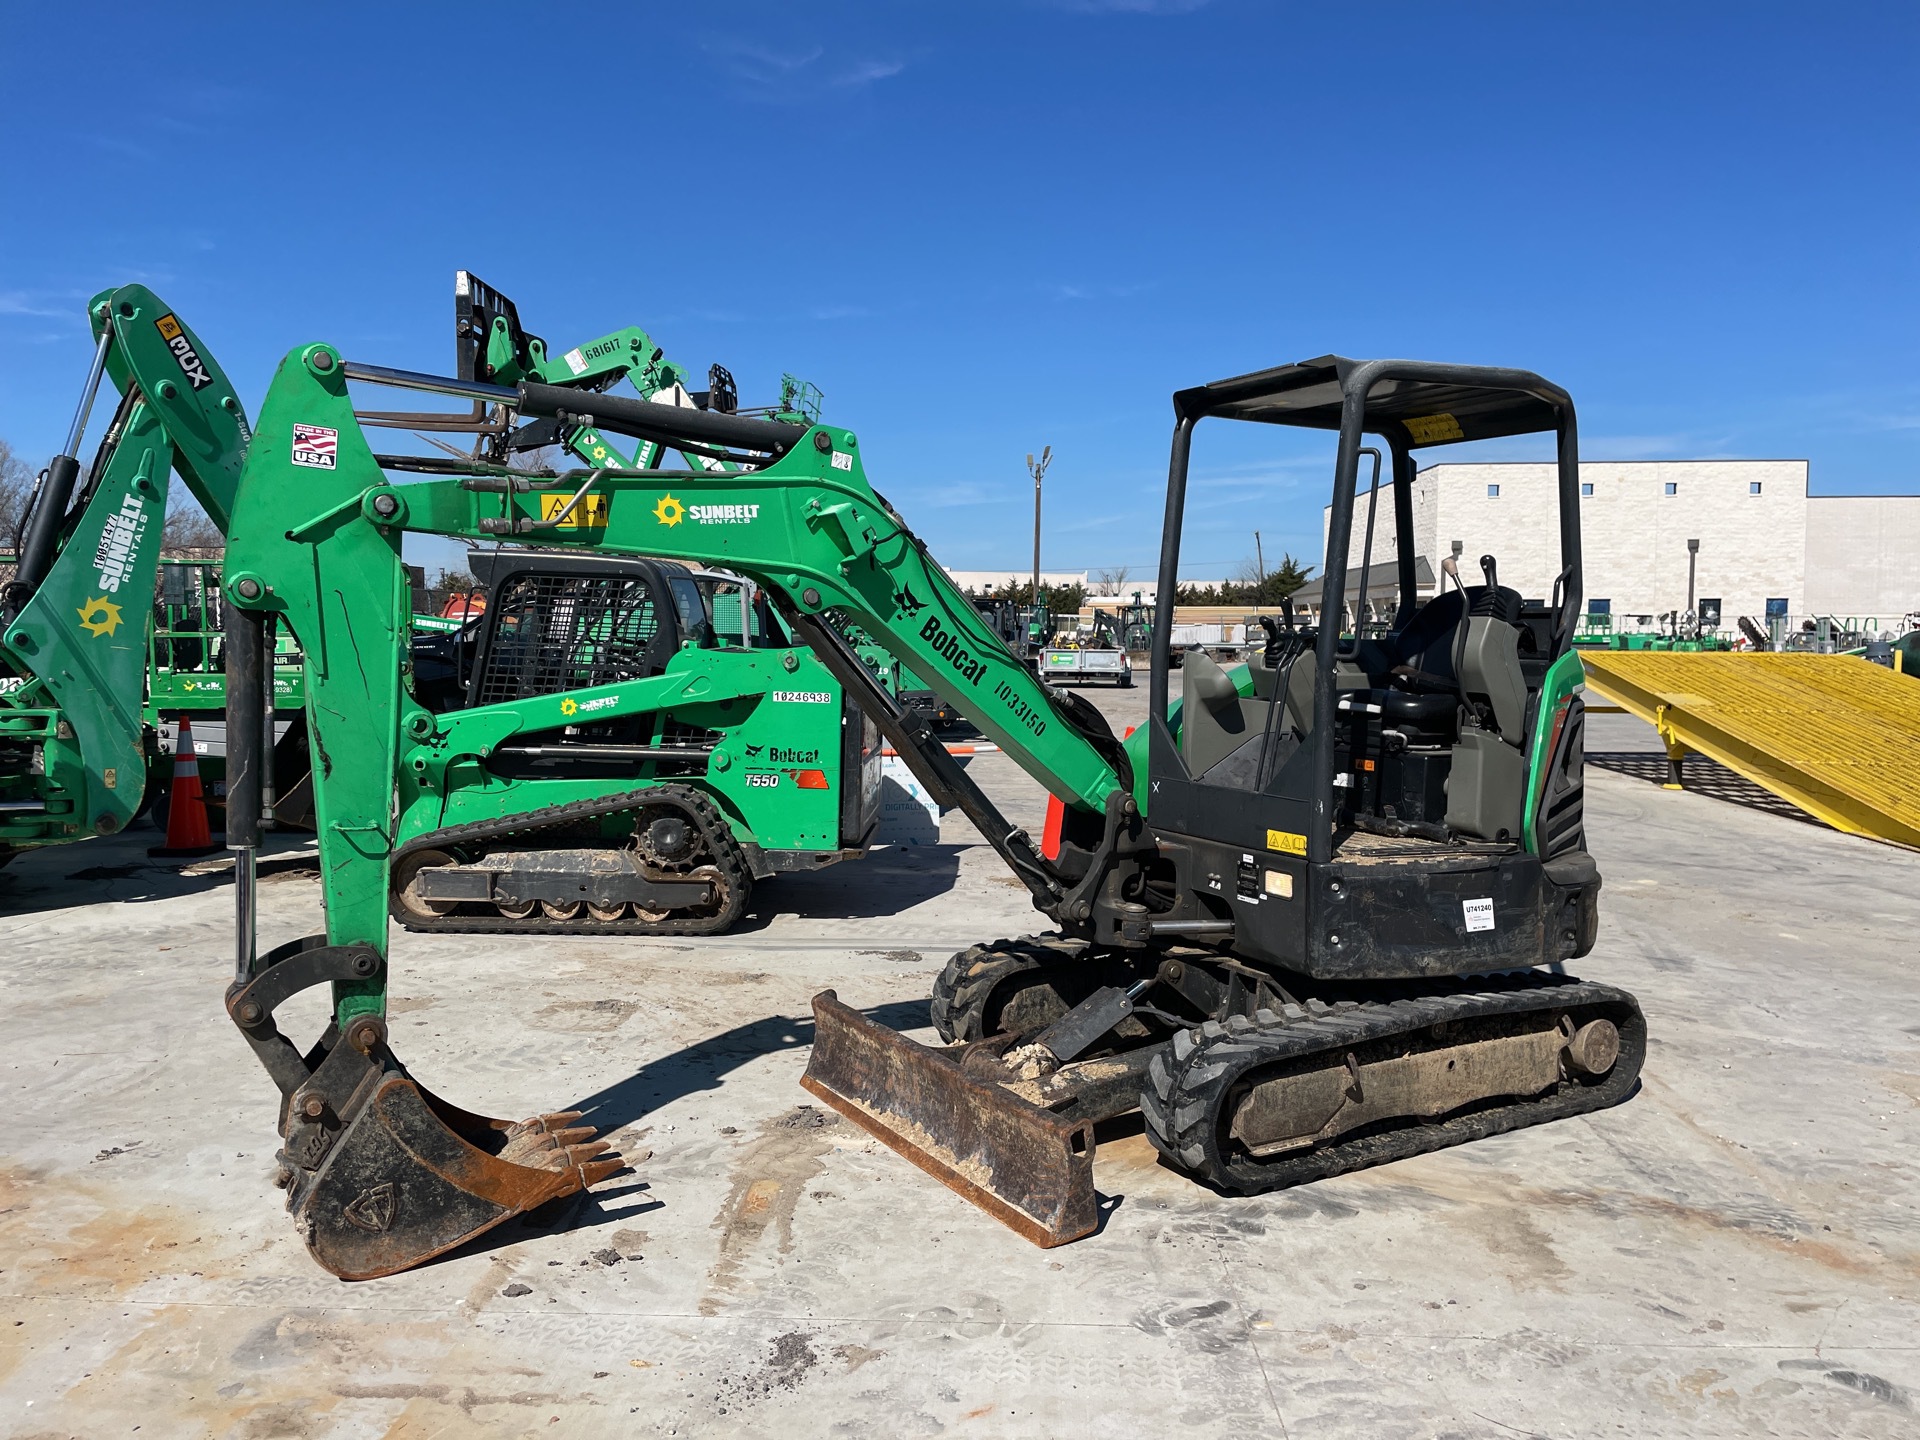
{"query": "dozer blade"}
(1024, 1165)
(411, 1177)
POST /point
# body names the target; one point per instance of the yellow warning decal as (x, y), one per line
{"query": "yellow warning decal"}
(1433, 429)
(168, 327)
(589, 514)
(1286, 842)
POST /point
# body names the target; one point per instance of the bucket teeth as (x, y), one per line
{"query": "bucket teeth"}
(558, 1150)
(542, 1124)
(594, 1171)
(581, 1154)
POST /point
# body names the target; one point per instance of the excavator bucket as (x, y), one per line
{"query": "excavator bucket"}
(413, 1177)
(950, 1112)
(381, 1173)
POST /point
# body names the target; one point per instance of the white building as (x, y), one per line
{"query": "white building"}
(1762, 538)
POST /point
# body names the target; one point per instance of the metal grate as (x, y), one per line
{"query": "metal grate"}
(567, 632)
(1836, 736)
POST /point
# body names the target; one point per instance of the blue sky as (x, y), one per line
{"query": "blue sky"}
(981, 228)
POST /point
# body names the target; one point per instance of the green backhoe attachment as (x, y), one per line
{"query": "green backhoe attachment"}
(74, 619)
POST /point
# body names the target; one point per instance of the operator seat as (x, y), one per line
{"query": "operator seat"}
(1422, 694)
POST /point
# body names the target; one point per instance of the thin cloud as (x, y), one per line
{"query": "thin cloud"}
(1130, 7)
(868, 71)
(796, 76)
(1096, 292)
(29, 302)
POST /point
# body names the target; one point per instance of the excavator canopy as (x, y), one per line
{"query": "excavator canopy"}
(1422, 404)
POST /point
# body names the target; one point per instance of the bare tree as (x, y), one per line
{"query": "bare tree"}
(189, 534)
(1111, 579)
(16, 485)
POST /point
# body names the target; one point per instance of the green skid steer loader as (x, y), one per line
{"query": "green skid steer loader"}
(623, 745)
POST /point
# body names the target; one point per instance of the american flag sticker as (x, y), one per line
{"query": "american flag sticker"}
(314, 446)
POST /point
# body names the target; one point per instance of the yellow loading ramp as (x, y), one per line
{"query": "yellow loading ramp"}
(1832, 734)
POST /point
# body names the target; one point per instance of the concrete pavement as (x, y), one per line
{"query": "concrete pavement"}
(1735, 1251)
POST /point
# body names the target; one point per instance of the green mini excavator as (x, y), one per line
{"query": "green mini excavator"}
(1310, 917)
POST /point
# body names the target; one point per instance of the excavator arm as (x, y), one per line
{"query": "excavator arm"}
(316, 540)
(805, 525)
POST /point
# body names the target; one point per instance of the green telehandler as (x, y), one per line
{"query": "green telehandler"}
(1300, 916)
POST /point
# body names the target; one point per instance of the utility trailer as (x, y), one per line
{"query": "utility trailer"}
(1080, 665)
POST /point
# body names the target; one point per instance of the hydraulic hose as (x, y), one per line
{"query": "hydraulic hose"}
(246, 755)
(665, 424)
(50, 509)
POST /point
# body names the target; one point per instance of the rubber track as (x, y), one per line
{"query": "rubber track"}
(969, 979)
(727, 855)
(1191, 1079)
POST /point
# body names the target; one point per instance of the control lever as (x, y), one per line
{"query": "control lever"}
(1487, 570)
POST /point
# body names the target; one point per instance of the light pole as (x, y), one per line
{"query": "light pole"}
(1259, 566)
(1693, 557)
(1038, 469)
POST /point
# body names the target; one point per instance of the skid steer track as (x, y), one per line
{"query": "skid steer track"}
(723, 854)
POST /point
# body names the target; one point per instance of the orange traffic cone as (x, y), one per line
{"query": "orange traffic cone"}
(187, 832)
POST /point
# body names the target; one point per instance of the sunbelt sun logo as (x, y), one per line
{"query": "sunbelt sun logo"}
(672, 511)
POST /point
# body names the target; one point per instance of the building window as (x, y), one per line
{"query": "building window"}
(1777, 608)
(1586, 488)
(1672, 488)
(1493, 492)
(1753, 487)
(1599, 607)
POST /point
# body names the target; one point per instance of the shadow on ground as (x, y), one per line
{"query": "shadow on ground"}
(1703, 777)
(704, 1064)
(701, 1066)
(94, 872)
(883, 882)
